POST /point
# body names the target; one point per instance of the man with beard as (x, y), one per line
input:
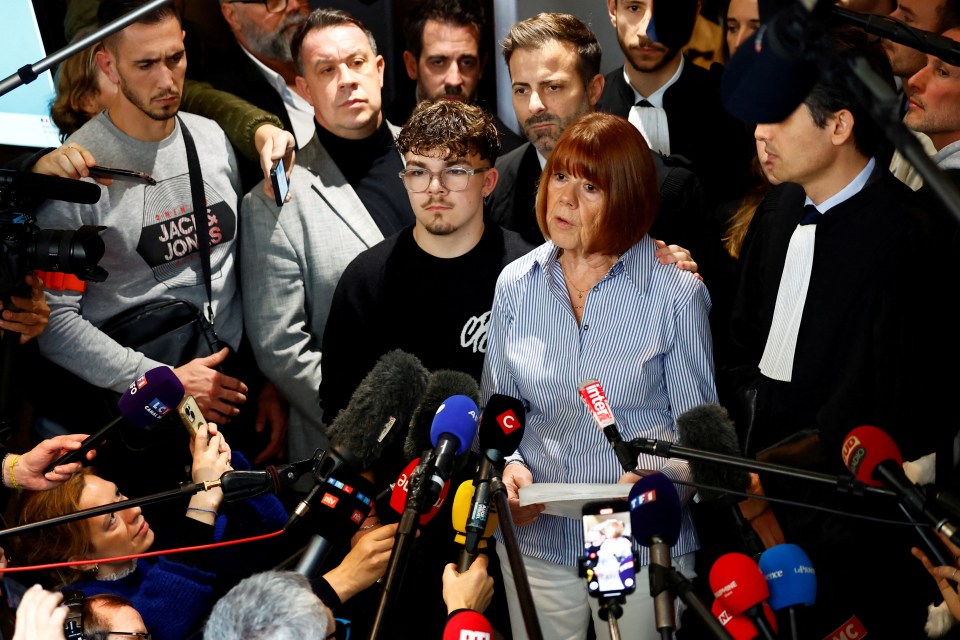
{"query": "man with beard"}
(260, 69)
(675, 104)
(446, 56)
(151, 230)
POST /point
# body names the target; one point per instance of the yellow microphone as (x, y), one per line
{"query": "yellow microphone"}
(460, 513)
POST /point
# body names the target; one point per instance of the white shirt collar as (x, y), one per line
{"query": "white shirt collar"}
(853, 188)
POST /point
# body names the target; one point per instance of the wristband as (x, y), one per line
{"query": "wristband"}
(210, 511)
(13, 477)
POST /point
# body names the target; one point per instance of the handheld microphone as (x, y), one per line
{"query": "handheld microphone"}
(738, 584)
(28, 184)
(242, 484)
(596, 400)
(655, 521)
(791, 579)
(461, 516)
(672, 22)
(144, 403)
(739, 626)
(453, 430)
(467, 625)
(873, 458)
(400, 489)
(384, 399)
(501, 429)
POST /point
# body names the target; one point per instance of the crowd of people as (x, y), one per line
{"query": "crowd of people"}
(634, 231)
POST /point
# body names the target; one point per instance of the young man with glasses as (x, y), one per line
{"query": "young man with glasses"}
(426, 290)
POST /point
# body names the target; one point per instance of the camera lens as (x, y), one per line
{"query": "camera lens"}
(76, 252)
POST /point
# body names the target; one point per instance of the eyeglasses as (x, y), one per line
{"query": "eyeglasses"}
(452, 178)
(110, 635)
(273, 6)
(342, 632)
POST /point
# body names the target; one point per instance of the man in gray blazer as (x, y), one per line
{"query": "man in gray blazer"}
(345, 199)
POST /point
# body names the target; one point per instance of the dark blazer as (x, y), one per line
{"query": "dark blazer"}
(700, 128)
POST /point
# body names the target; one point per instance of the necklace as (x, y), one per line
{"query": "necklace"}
(580, 292)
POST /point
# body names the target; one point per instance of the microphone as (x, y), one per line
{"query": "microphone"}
(791, 579)
(501, 429)
(384, 399)
(461, 516)
(596, 400)
(739, 586)
(20, 184)
(739, 626)
(400, 489)
(655, 521)
(452, 432)
(672, 21)
(709, 428)
(242, 484)
(873, 458)
(144, 403)
(467, 625)
(441, 385)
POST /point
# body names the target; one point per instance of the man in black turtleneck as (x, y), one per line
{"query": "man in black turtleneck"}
(345, 198)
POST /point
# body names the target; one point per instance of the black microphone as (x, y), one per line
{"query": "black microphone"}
(144, 403)
(501, 429)
(243, 484)
(33, 186)
(672, 22)
(655, 518)
(441, 385)
(379, 408)
(708, 427)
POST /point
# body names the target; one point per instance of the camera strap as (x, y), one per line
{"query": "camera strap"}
(200, 212)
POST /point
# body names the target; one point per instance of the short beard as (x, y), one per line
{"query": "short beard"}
(668, 57)
(159, 114)
(541, 141)
(276, 45)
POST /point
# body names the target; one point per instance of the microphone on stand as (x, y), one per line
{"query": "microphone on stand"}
(739, 626)
(461, 516)
(791, 579)
(739, 586)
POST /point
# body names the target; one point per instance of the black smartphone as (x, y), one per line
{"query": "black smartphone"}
(278, 176)
(609, 558)
(98, 171)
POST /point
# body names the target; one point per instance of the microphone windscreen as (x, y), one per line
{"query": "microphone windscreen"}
(709, 428)
(400, 490)
(380, 408)
(740, 627)
(456, 417)
(151, 397)
(736, 581)
(672, 22)
(39, 186)
(462, 501)
(655, 510)
(501, 424)
(441, 385)
(866, 447)
(763, 84)
(467, 624)
(790, 576)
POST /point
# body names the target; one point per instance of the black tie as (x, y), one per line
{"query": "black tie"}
(810, 215)
(643, 103)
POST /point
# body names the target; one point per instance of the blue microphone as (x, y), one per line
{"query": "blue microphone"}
(791, 579)
(452, 432)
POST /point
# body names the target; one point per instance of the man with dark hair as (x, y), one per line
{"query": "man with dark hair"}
(826, 320)
(446, 56)
(675, 104)
(345, 198)
(444, 267)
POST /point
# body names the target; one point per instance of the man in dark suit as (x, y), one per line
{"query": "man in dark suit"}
(674, 103)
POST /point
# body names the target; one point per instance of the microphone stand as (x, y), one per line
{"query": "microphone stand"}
(403, 542)
(664, 578)
(527, 608)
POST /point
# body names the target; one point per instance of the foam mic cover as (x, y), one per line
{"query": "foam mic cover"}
(400, 489)
(790, 576)
(462, 501)
(501, 425)
(467, 624)
(441, 385)
(865, 448)
(150, 397)
(737, 582)
(672, 22)
(739, 626)
(709, 428)
(36, 185)
(654, 510)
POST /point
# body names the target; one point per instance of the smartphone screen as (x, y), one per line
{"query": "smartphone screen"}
(278, 175)
(608, 549)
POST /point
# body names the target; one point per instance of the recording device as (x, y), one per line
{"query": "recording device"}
(872, 457)
(278, 177)
(738, 584)
(461, 515)
(656, 516)
(608, 562)
(791, 579)
(596, 400)
(144, 403)
(190, 415)
(99, 171)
